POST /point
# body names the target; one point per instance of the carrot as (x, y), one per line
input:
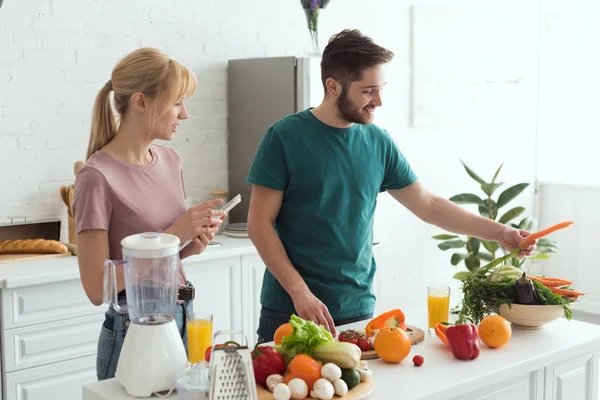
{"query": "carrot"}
(551, 282)
(544, 232)
(566, 292)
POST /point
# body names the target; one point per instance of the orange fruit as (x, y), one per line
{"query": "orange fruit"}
(284, 330)
(304, 367)
(494, 331)
(392, 344)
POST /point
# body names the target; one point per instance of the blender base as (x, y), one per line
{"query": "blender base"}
(151, 357)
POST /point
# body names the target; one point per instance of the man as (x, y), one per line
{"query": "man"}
(316, 177)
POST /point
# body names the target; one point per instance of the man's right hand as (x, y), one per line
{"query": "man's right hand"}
(309, 307)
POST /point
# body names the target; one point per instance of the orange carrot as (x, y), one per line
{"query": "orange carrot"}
(534, 236)
(551, 282)
(566, 292)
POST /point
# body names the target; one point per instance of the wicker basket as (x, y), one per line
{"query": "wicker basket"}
(530, 317)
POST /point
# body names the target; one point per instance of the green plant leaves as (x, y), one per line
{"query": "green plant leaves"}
(444, 237)
(545, 245)
(490, 188)
(490, 246)
(485, 256)
(488, 206)
(472, 174)
(528, 223)
(461, 275)
(466, 198)
(540, 256)
(458, 257)
(510, 193)
(473, 245)
(511, 214)
(472, 263)
(497, 172)
(451, 244)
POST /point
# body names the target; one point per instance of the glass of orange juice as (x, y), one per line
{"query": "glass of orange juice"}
(438, 305)
(199, 333)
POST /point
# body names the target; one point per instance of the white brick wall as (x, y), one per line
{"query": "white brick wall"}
(56, 54)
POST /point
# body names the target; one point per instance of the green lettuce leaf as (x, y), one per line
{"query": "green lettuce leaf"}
(306, 337)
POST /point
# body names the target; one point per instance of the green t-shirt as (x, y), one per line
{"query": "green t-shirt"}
(330, 178)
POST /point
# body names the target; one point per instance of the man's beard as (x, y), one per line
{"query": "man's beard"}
(348, 111)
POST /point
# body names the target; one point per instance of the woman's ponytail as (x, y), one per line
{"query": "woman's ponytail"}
(104, 125)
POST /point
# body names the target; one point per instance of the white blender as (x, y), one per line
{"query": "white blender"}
(153, 352)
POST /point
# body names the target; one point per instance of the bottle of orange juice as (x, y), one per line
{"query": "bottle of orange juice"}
(438, 305)
(199, 332)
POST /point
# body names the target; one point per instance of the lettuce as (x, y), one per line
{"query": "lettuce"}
(306, 337)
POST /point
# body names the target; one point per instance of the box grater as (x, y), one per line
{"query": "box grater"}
(231, 370)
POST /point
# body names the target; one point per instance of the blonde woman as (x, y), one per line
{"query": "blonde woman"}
(130, 185)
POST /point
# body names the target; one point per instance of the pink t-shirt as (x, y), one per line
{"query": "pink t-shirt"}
(126, 199)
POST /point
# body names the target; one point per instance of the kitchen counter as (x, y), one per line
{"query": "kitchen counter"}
(559, 361)
(62, 269)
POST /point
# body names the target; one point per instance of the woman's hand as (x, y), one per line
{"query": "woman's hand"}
(197, 245)
(198, 220)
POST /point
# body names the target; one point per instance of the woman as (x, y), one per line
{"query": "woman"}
(130, 185)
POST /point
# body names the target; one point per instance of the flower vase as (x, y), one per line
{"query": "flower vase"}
(312, 22)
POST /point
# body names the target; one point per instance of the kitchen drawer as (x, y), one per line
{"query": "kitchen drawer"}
(60, 381)
(30, 305)
(39, 345)
(528, 386)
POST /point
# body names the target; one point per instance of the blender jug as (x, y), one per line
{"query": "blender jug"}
(151, 271)
(153, 351)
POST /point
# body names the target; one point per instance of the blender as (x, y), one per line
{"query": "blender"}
(153, 351)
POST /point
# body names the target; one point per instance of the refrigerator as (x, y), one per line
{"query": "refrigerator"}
(261, 91)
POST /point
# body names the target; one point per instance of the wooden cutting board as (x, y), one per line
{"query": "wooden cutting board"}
(415, 334)
(15, 258)
(359, 392)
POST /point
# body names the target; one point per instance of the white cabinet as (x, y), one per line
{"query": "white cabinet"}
(60, 381)
(218, 284)
(49, 343)
(528, 386)
(253, 269)
(572, 379)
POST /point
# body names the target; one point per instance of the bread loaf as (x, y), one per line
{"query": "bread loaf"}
(32, 246)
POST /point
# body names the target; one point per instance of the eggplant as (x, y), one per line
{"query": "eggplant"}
(525, 291)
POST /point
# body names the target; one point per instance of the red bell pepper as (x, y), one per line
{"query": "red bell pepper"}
(464, 341)
(266, 361)
(208, 351)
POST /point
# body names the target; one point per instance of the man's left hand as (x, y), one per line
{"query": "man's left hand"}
(512, 237)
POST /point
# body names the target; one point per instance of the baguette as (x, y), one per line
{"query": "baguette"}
(32, 246)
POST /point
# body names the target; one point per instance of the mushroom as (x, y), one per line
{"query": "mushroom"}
(273, 380)
(340, 387)
(298, 388)
(324, 389)
(313, 395)
(282, 392)
(364, 371)
(331, 372)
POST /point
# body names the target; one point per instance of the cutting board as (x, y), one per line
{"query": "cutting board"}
(16, 258)
(359, 392)
(415, 334)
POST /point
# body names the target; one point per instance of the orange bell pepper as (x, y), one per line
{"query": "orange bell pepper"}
(392, 318)
(440, 332)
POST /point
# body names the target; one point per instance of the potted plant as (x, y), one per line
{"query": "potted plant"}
(472, 251)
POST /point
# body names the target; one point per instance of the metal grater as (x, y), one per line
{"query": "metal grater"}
(231, 370)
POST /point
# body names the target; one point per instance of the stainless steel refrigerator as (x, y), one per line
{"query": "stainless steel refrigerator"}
(261, 91)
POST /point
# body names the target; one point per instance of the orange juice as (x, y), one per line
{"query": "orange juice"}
(438, 305)
(199, 334)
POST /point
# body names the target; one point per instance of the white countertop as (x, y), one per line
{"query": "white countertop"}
(61, 269)
(442, 376)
